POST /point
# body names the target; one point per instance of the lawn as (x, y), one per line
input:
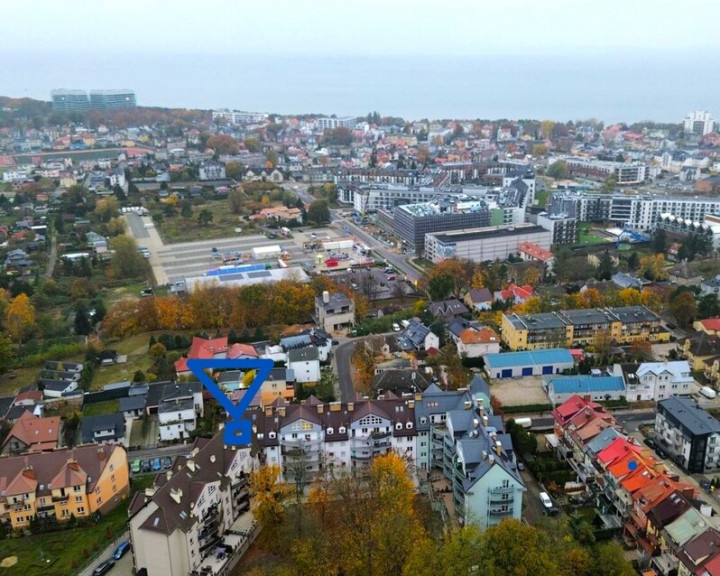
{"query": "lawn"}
(423, 263)
(587, 237)
(136, 350)
(101, 408)
(541, 196)
(178, 229)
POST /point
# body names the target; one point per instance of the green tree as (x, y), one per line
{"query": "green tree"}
(186, 210)
(126, 261)
(251, 145)
(82, 323)
(558, 170)
(684, 308)
(708, 306)
(319, 212)
(7, 353)
(659, 241)
(440, 287)
(205, 217)
(325, 388)
(235, 196)
(606, 267)
(272, 158)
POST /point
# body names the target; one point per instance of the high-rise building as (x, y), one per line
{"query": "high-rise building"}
(70, 100)
(112, 99)
(699, 122)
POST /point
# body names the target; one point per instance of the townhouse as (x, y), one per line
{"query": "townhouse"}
(190, 511)
(61, 484)
(622, 325)
(654, 381)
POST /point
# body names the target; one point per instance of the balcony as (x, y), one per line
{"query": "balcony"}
(499, 513)
(503, 490)
(666, 563)
(300, 443)
(501, 499)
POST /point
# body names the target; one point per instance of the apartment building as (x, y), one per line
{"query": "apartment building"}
(179, 407)
(690, 434)
(112, 99)
(237, 117)
(653, 381)
(70, 100)
(330, 122)
(334, 311)
(484, 244)
(177, 525)
(563, 228)
(63, 483)
(622, 325)
(699, 122)
(627, 173)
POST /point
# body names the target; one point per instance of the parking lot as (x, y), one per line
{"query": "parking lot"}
(383, 283)
(519, 391)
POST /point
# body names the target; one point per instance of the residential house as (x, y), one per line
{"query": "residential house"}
(305, 364)
(689, 434)
(398, 382)
(447, 309)
(702, 350)
(57, 388)
(476, 343)
(479, 299)
(202, 348)
(27, 399)
(697, 552)
(676, 534)
(417, 336)
(655, 380)
(211, 171)
(32, 434)
(598, 388)
(103, 429)
(133, 406)
(72, 482)
(175, 527)
(313, 337)
(179, 407)
(530, 252)
(710, 286)
(514, 294)
(528, 363)
(334, 311)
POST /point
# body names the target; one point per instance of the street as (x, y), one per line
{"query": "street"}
(123, 567)
(341, 358)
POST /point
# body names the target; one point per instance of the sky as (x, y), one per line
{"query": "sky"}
(349, 27)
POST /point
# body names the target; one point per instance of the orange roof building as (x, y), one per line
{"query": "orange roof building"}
(32, 434)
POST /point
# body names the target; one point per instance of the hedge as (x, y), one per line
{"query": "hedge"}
(527, 408)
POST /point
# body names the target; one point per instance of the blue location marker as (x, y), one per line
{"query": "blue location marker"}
(632, 465)
(238, 432)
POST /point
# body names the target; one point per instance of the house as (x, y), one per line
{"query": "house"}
(175, 524)
(72, 482)
(530, 252)
(698, 552)
(689, 434)
(398, 382)
(417, 336)
(103, 429)
(32, 434)
(56, 388)
(278, 384)
(701, 350)
(202, 348)
(479, 299)
(305, 364)
(655, 380)
(27, 399)
(447, 309)
(529, 363)
(132, 406)
(598, 388)
(334, 311)
(313, 337)
(180, 405)
(515, 294)
(710, 286)
(623, 280)
(475, 343)
(709, 326)
(211, 171)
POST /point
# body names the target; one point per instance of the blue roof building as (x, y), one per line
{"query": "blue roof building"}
(597, 388)
(529, 363)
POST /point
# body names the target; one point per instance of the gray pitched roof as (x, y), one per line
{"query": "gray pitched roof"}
(92, 424)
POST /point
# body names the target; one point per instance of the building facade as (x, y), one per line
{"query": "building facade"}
(70, 100)
(112, 99)
(699, 122)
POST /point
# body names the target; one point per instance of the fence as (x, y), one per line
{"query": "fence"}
(238, 553)
(105, 395)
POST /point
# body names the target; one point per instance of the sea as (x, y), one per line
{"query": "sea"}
(613, 87)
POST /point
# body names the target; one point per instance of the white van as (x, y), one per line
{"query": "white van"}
(708, 392)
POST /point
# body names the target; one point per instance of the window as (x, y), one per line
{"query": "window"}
(81, 510)
(78, 499)
(98, 501)
(114, 488)
(77, 488)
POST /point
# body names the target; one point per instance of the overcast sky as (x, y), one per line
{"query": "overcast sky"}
(372, 27)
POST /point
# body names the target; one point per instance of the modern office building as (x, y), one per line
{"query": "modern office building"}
(699, 122)
(484, 244)
(112, 99)
(70, 100)
(412, 221)
(622, 325)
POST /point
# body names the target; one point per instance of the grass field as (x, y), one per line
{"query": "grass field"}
(101, 408)
(136, 348)
(178, 229)
(585, 236)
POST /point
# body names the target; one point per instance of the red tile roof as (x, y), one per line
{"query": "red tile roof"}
(37, 434)
(202, 348)
(535, 251)
(712, 324)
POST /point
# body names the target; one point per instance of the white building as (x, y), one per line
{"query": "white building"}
(334, 311)
(653, 381)
(699, 122)
(178, 410)
(484, 244)
(175, 525)
(305, 364)
(237, 117)
(329, 123)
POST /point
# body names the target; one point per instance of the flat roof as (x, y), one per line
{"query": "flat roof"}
(528, 358)
(488, 232)
(542, 321)
(588, 316)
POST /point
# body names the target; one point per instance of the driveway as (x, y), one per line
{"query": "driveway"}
(341, 358)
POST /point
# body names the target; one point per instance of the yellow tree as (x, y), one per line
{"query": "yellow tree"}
(20, 318)
(271, 494)
(593, 298)
(630, 297)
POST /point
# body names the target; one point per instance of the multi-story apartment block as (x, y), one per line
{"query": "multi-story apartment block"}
(112, 99)
(212, 171)
(61, 484)
(562, 227)
(330, 123)
(191, 511)
(699, 122)
(622, 325)
(484, 244)
(237, 117)
(690, 434)
(70, 100)
(454, 431)
(412, 221)
(655, 380)
(641, 212)
(334, 311)
(623, 172)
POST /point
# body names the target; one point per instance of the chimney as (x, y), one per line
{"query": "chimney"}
(101, 453)
(326, 297)
(411, 403)
(281, 411)
(191, 465)
(491, 459)
(268, 411)
(212, 458)
(335, 406)
(320, 408)
(476, 422)
(485, 454)
(176, 494)
(150, 492)
(168, 475)
(485, 420)
(468, 404)
(29, 472)
(498, 448)
(350, 406)
(418, 396)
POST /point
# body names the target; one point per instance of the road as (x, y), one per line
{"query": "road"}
(52, 257)
(341, 357)
(123, 567)
(145, 234)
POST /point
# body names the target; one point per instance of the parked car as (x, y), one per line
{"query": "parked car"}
(660, 452)
(156, 464)
(650, 442)
(545, 499)
(145, 465)
(135, 466)
(104, 568)
(122, 549)
(167, 462)
(147, 292)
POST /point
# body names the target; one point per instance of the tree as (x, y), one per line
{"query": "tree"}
(558, 170)
(7, 354)
(272, 158)
(252, 145)
(684, 308)
(107, 208)
(659, 241)
(270, 496)
(20, 318)
(82, 324)
(236, 200)
(514, 548)
(440, 287)
(126, 261)
(186, 210)
(606, 267)
(325, 388)
(708, 306)
(205, 217)
(641, 350)
(319, 212)
(223, 145)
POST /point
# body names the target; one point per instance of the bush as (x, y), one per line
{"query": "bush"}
(528, 408)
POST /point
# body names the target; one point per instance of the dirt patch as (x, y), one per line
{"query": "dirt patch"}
(8, 561)
(519, 391)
